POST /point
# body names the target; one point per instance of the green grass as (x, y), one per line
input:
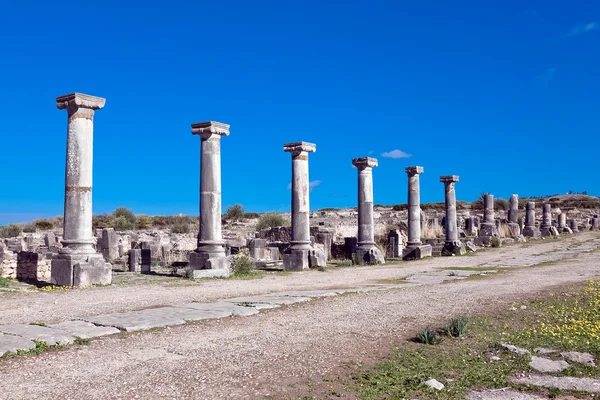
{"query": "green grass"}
(4, 282)
(565, 319)
(40, 347)
(397, 281)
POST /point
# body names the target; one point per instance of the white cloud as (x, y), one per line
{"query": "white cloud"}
(311, 185)
(583, 28)
(396, 154)
(546, 77)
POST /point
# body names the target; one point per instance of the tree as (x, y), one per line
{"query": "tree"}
(271, 220)
(125, 213)
(235, 212)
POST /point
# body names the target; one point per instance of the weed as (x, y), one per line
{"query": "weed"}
(242, 265)
(456, 327)
(81, 341)
(4, 282)
(38, 323)
(496, 242)
(428, 336)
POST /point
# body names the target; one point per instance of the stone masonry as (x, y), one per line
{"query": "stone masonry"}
(530, 230)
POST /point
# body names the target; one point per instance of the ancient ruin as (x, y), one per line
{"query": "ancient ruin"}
(415, 249)
(366, 252)
(209, 258)
(513, 215)
(546, 228)
(77, 263)
(452, 245)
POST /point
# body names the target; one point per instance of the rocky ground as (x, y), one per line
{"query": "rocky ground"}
(289, 351)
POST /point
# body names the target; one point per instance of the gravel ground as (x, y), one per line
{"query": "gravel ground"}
(278, 352)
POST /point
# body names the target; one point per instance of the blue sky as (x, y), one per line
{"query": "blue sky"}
(503, 93)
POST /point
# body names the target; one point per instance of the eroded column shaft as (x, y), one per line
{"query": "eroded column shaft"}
(414, 210)
(210, 191)
(300, 200)
(451, 227)
(366, 232)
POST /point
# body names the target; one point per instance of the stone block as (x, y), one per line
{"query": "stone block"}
(470, 246)
(350, 245)
(394, 244)
(417, 252)
(317, 258)
(93, 272)
(296, 260)
(483, 241)
(531, 232)
(110, 244)
(145, 260)
(371, 256)
(62, 272)
(50, 239)
(488, 230)
(454, 249)
(135, 260)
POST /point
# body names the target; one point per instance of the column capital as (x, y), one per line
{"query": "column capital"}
(414, 170)
(299, 147)
(79, 100)
(206, 129)
(365, 162)
(449, 178)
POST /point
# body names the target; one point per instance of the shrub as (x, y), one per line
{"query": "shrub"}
(122, 224)
(400, 207)
(29, 228)
(496, 242)
(242, 265)
(102, 221)
(10, 231)
(43, 224)
(271, 220)
(143, 221)
(428, 336)
(456, 327)
(501, 204)
(235, 212)
(125, 213)
(251, 215)
(180, 227)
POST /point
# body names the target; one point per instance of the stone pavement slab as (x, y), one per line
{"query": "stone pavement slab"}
(46, 334)
(278, 299)
(546, 365)
(11, 343)
(502, 394)
(84, 330)
(560, 382)
(222, 309)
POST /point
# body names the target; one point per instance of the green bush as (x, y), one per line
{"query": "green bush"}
(122, 224)
(10, 231)
(242, 265)
(235, 212)
(456, 327)
(501, 204)
(125, 213)
(496, 242)
(251, 215)
(180, 227)
(143, 221)
(43, 224)
(428, 336)
(102, 221)
(400, 207)
(29, 228)
(271, 220)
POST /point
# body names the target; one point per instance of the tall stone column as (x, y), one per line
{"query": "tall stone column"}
(414, 248)
(595, 223)
(300, 254)
(366, 251)
(209, 260)
(452, 245)
(78, 264)
(488, 226)
(513, 215)
(573, 225)
(562, 222)
(530, 229)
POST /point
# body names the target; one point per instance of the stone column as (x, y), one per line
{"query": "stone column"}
(573, 225)
(513, 216)
(209, 260)
(562, 221)
(513, 211)
(595, 223)
(546, 226)
(488, 226)
(298, 255)
(366, 251)
(530, 230)
(414, 248)
(452, 245)
(78, 264)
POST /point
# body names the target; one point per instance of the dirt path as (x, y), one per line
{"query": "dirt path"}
(276, 352)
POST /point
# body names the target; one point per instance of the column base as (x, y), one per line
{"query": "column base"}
(531, 232)
(369, 256)
(488, 230)
(515, 229)
(416, 252)
(546, 231)
(456, 248)
(295, 259)
(80, 270)
(207, 265)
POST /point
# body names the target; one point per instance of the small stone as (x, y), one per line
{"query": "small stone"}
(544, 350)
(582, 358)
(545, 365)
(494, 358)
(523, 307)
(432, 383)
(515, 349)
